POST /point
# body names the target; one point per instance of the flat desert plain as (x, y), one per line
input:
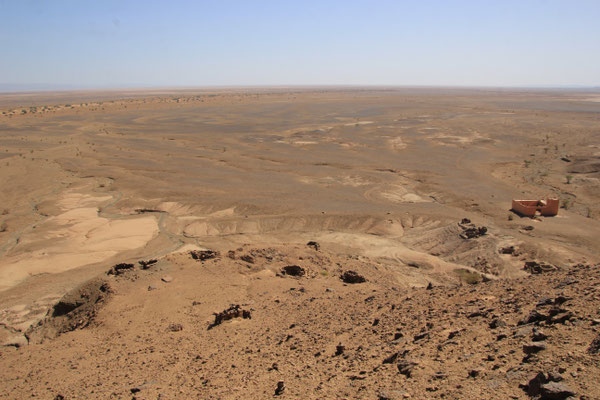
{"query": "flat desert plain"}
(299, 243)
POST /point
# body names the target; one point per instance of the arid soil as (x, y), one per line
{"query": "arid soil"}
(299, 243)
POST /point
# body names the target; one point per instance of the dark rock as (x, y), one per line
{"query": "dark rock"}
(352, 277)
(175, 328)
(391, 359)
(496, 323)
(534, 347)
(534, 385)
(473, 232)
(507, 250)
(119, 269)
(429, 286)
(202, 255)
(167, 279)
(533, 267)
(554, 376)
(594, 346)
(565, 159)
(533, 316)
(293, 270)
(247, 258)
(420, 336)
(235, 311)
(544, 302)
(555, 391)
(280, 388)
(538, 336)
(339, 349)
(314, 245)
(147, 264)
(474, 373)
(406, 367)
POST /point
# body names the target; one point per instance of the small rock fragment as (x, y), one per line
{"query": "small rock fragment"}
(352, 277)
(534, 347)
(293, 270)
(314, 245)
(406, 367)
(556, 391)
(167, 279)
(175, 328)
(147, 264)
(280, 388)
(202, 255)
(119, 269)
(594, 346)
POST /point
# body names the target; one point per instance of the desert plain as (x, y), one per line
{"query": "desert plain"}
(418, 282)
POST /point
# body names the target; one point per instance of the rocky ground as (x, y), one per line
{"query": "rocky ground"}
(303, 326)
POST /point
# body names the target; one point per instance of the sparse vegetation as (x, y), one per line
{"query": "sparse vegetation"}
(566, 203)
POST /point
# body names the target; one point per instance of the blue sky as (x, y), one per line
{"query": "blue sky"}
(83, 44)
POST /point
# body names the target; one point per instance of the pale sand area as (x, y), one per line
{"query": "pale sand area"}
(77, 236)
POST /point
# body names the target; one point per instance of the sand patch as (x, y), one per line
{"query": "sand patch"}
(76, 237)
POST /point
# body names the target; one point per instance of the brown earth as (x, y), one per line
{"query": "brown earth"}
(399, 296)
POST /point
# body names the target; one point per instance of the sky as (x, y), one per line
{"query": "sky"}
(102, 44)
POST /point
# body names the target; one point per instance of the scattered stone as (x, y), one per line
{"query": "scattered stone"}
(235, 311)
(473, 232)
(406, 367)
(314, 245)
(151, 288)
(280, 388)
(534, 347)
(474, 373)
(293, 270)
(175, 328)
(565, 159)
(202, 255)
(528, 228)
(538, 336)
(352, 277)
(496, 323)
(594, 346)
(533, 316)
(247, 258)
(147, 264)
(339, 349)
(508, 250)
(391, 359)
(555, 391)
(167, 279)
(555, 376)
(119, 269)
(534, 385)
(534, 267)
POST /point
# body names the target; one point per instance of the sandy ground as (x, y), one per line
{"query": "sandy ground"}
(380, 178)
